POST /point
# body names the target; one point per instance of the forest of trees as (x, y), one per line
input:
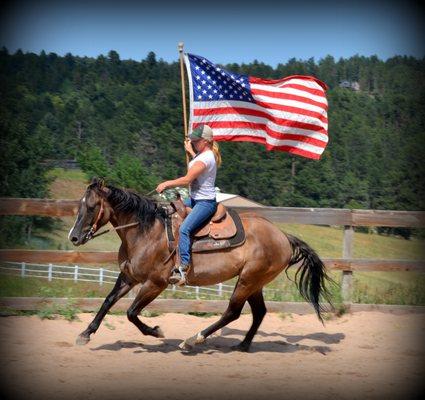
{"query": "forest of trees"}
(122, 119)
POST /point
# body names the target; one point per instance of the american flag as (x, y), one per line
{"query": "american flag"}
(288, 114)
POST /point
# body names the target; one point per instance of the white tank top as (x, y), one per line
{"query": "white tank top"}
(203, 187)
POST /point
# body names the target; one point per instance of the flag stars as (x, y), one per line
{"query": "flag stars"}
(212, 83)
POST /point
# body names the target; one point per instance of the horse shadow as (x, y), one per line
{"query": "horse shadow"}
(224, 344)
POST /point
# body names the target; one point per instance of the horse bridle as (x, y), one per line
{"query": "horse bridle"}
(93, 228)
(91, 233)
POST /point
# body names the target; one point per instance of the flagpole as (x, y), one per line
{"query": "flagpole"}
(180, 47)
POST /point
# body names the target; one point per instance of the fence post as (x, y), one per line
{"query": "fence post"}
(76, 273)
(49, 272)
(197, 292)
(220, 289)
(101, 276)
(23, 270)
(347, 276)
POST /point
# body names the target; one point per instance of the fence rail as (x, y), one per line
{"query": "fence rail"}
(309, 216)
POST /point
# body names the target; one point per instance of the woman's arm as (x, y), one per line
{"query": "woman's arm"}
(197, 168)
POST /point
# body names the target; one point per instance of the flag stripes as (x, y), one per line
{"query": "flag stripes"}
(289, 114)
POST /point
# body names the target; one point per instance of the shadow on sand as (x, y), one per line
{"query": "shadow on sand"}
(223, 344)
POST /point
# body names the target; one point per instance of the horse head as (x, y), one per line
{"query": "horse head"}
(94, 211)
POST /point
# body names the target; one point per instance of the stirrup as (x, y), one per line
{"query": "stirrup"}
(179, 275)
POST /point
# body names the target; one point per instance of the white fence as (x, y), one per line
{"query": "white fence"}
(103, 276)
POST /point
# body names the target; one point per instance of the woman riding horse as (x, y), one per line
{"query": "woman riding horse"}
(200, 177)
(140, 224)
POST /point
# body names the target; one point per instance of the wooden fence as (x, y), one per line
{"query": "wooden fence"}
(312, 216)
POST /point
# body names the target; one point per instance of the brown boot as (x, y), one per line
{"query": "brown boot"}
(178, 276)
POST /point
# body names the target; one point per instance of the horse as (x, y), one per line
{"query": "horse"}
(140, 224)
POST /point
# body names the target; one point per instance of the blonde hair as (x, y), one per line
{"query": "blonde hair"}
(216, 150)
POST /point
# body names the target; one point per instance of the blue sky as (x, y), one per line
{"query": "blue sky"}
(224, 32)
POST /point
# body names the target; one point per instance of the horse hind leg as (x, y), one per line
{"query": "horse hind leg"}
(121, 288)
(232, 313)
(258, 308)
(148, 292)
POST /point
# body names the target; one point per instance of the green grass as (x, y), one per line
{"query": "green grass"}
(15, 286)
(327, 241)
(69, 312)
(68, 174)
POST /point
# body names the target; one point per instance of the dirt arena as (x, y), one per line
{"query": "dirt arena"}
(366, 355)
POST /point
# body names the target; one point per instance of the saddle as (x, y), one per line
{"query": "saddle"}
(223, 230)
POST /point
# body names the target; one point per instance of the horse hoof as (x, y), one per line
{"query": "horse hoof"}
(185, 346)
(82, 340)
(241, 347)
(158, 332)
(192, 341)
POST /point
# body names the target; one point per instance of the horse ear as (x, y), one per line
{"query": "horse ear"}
(100, 186)
(104, 190)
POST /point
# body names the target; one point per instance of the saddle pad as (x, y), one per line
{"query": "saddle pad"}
(209, 244)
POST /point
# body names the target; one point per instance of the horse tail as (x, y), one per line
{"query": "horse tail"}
(311, 275)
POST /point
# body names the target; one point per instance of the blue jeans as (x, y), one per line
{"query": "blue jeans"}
(201, 211)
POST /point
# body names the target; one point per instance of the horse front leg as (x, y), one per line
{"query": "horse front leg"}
(147, 293)
(122, 286)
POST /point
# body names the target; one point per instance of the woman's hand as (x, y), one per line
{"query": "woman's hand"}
(188, 147)
(162, 186)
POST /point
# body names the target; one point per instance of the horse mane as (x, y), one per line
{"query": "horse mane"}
(132, 203)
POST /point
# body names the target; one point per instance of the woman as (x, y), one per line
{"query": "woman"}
(200, 177)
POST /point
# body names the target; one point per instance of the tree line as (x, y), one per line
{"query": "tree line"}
(122, 119)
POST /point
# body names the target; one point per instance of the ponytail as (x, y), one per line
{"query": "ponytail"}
(216, 150)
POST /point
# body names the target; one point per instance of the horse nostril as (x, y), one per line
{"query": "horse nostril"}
(74, 239)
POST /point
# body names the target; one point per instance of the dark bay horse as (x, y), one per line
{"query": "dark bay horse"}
(264, 255)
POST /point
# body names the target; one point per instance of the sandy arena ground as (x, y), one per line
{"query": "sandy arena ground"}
(368, 355)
